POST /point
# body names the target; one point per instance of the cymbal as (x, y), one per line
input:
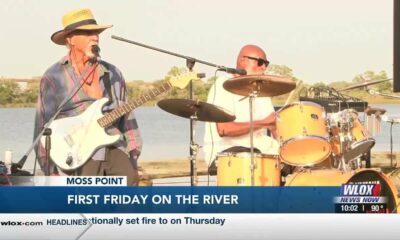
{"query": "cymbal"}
(188, 108)
(364, 84)
(267, 85)
(371, 111)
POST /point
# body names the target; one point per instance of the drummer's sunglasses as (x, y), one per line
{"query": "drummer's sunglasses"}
(260, 61)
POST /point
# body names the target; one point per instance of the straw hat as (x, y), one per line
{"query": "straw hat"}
(81, 19)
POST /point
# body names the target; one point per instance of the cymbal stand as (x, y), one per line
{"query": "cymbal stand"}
(343, 147)
(253, 166)
(194, 147)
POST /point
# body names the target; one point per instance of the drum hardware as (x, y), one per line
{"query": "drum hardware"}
(355, 163)
(253, 166)
(257, 86)
(194, 147)
(343, 138)
(195, 111)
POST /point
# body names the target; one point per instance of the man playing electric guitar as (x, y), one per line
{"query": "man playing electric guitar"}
(84, 141)
(99, 79)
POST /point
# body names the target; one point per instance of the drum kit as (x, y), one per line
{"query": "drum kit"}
(323, 150)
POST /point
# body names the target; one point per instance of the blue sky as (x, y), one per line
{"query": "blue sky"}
(322, 41)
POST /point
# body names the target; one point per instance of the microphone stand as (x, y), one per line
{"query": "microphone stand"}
(22, 161)
(391, 121)
(374, 92)
(190, 61)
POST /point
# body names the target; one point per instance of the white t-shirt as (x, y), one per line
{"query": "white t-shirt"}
(239, 106)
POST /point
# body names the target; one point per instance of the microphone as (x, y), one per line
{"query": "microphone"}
(96, 52)
(390, 120)
(233, 70)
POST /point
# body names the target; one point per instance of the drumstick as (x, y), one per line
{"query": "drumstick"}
(298, 84)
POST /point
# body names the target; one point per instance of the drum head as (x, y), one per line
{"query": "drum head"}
(305, 151)
(359, 148)
(388, 189)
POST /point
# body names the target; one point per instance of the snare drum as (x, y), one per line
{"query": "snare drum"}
(303, 134)
(234, 169)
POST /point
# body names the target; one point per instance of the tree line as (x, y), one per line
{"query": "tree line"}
(12, 95)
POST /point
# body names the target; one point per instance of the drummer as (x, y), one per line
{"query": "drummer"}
(235, 136)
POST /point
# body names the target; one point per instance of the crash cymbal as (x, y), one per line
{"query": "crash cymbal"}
(267, 85)
(204, 111)
(364, 84)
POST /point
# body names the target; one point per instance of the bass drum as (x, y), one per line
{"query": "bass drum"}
(318, 177)
(334, 177)
(388, 188)
(395, 177)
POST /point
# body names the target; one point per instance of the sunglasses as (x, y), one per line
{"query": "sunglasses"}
(260, 61)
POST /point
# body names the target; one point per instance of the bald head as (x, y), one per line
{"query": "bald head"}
(243, 62)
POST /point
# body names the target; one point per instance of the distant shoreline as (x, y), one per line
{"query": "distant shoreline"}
(278, 102)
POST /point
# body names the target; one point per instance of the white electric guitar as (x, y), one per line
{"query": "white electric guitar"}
(75, 139)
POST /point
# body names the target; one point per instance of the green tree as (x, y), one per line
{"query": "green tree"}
(9, 92)
(339, 85)
(319, 84)
(370, 76)
(30, 95)
(280, 70)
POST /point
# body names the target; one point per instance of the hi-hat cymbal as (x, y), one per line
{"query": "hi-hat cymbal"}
(265, 85)
(188, 108)
(364, 84)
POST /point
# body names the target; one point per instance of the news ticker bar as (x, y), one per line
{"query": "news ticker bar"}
(199, 226)
(168, 199)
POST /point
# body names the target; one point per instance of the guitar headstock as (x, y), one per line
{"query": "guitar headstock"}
(182, 80)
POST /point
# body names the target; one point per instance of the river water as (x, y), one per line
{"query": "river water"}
(165, 136)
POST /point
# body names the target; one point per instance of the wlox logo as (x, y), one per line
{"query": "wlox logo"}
(369, 193)
(361, 190)
(19, 223)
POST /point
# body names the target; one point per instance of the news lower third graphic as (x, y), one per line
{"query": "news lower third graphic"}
(361, 198)
(84, 195)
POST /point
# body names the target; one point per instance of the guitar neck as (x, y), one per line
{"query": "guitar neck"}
(120, 111)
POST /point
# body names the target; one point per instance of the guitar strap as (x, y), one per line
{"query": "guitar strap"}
(107, 84)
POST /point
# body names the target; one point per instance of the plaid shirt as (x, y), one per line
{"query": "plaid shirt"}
(59, 81)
